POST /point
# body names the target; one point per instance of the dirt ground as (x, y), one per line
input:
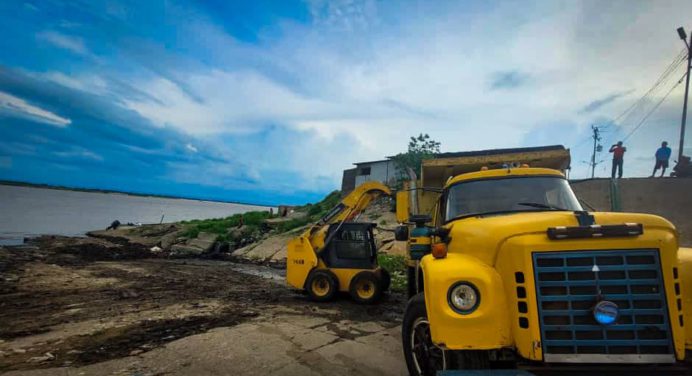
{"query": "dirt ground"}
(75, 309)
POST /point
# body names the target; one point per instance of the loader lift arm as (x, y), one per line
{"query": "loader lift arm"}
(347, 210)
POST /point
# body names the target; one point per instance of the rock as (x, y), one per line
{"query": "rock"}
(249, 313)
(128, 294)
(239, 232)
(18, 351)
(183, 250)
(207, 236)
(155, 249)
(169, 239)
(204, 241)
(136, 352)
(114, 225)
(40, 359)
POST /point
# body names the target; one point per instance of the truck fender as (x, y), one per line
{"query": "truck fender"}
(685, 263)
(486, 327)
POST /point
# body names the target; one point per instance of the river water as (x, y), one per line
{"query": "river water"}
(30, 211)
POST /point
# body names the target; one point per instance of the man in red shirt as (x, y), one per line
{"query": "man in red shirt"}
(618, 155)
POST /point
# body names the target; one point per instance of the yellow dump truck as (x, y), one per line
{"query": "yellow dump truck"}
(507, 270)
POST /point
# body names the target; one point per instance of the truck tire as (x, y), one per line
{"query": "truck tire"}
(366, 287)
(423, 358)
(321, 285)
(411, 287)
(386, 279)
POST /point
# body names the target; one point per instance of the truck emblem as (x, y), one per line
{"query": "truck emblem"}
(595, 269)
(606, 312)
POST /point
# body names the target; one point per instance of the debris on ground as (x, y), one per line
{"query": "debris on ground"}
(74, 302)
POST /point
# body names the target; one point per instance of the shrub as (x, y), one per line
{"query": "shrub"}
(396, 266)
(292, 224)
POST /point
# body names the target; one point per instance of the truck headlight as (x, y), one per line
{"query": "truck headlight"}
(463, 297)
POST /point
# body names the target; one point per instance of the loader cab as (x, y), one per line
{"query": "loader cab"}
(351, 246)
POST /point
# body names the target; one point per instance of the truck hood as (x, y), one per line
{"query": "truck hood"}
(485, 236)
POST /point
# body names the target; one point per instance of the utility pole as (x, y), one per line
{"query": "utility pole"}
(683, 36)
(596, 138)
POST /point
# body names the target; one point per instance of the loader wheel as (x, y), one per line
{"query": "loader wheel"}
(423, 357)
(386, 279)
(366, 287)
(322, 285)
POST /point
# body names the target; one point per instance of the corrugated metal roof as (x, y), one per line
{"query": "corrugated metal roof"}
(475, 153)
(498, 151)
(371, 162)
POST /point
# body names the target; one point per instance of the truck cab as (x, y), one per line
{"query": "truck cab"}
(509, 270)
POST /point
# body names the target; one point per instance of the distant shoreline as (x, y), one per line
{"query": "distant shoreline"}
(110, 191)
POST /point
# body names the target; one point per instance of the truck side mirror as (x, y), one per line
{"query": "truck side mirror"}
(401, 233)
(442, 233)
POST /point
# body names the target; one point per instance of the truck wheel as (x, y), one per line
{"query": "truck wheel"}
(386, 279)
(366, 287)
(423, 358)
(411, 287)
(322, 285)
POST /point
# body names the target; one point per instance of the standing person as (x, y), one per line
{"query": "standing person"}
(662, 157)
(618, 157)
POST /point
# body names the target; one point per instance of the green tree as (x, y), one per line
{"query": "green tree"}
(419, 149)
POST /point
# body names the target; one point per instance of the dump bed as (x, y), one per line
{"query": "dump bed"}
(435, 172)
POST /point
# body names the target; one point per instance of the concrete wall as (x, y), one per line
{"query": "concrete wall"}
(670, 198)
(348, 181)
(382, 171)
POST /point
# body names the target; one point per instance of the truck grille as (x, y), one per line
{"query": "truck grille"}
(566, 291)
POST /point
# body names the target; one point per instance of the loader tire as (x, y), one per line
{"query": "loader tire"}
(366, 287)
(322, 285)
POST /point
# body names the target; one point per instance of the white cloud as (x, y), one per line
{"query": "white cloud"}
(19, 107)
(68, 42)
(344, 14)
(89, 83)
(191, 148)
(78, 152)
(356, 82)
(230, 102)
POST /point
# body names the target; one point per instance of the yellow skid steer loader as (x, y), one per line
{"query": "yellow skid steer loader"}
(338, 254)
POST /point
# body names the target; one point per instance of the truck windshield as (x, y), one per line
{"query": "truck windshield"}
(509, 195)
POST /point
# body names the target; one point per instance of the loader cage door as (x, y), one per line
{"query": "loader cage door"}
(352, 247)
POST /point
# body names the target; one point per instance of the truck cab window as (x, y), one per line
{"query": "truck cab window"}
(508, 195)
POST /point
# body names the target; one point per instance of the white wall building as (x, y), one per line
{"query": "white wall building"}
(383, 171)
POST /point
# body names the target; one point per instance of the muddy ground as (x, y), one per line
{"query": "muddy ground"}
(73, 303)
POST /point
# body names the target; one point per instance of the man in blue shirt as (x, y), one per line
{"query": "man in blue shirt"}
(662, 157)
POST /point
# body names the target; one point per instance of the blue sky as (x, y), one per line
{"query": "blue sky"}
(268, 101)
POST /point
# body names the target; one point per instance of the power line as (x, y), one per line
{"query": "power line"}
(582, 142)
(681, 56)
(654, 108)
(663, 78)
